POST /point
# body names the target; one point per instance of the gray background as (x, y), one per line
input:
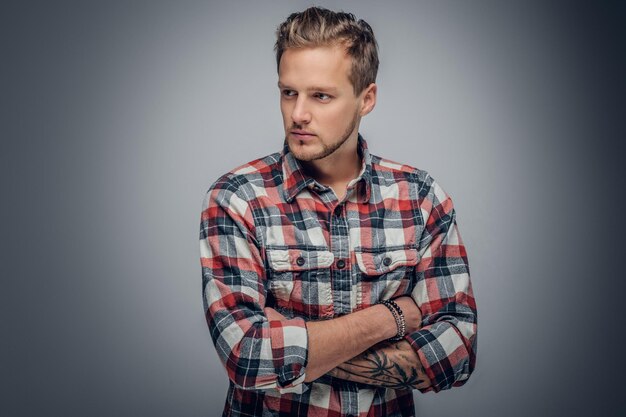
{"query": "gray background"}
(117, 116)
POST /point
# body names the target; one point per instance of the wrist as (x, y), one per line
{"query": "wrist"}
(389, 326)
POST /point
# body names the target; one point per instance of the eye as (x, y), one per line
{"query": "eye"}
(288, 93)
(322, 96)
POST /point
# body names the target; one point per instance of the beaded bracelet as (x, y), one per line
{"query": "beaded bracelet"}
(396, 312)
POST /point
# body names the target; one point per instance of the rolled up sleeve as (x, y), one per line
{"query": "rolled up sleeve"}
(257, 353)
(446, 343)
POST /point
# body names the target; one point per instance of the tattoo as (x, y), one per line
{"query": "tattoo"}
(386, 365)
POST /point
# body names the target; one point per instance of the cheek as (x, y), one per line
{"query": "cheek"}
(339, 117)
(285, 111)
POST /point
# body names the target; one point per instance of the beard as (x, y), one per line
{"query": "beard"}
(327, 148)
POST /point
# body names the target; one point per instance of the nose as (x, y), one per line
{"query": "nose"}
(301, 114)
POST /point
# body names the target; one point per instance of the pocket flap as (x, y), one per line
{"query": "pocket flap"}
(381, 262)
(299, 259)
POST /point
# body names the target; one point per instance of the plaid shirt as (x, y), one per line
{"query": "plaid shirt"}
(271, 236)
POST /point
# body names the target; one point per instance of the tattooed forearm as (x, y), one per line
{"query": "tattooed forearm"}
(390, 365)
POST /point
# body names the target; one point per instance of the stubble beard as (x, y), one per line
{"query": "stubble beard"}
(327, 149)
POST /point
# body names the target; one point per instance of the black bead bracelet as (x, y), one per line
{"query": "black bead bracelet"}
(396, 311)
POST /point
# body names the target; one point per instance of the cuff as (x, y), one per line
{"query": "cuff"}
(290, 353)
(443, 355)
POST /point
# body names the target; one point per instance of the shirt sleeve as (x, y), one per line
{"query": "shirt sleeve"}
(257, 353)
(446, 343)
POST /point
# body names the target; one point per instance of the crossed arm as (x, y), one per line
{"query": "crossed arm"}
(385, 364)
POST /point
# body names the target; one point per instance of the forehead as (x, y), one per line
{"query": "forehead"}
(320, 65)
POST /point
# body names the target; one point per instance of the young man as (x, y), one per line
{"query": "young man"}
(302, 250)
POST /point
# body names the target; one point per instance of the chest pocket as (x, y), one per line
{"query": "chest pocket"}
(299, 281)
(385, 273)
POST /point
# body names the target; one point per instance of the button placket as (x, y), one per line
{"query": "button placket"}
(341, 276)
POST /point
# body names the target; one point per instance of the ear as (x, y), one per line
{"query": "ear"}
(368, 99)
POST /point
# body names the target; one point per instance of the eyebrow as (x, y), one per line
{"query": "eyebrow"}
(313, 88)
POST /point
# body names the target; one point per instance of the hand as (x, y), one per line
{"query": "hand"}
(273, 315)
(412, 313)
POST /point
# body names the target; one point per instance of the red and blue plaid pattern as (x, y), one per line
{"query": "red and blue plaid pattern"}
(271, 236)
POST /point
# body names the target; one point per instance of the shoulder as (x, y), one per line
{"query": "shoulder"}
(423, 186)
(390, 171)
(257, 173)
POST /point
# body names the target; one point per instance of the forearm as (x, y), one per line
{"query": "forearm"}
(388, 364)
(333, 342)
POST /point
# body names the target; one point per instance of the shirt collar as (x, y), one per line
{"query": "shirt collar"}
(295, 180)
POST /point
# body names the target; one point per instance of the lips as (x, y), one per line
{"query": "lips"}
(301, 134)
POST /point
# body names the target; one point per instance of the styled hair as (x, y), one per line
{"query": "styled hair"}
(317, 26)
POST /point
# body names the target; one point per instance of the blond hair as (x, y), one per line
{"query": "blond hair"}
(317, 26)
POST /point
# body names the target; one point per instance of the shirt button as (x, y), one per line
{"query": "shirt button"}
(387, 261)
(300, 261)
(341, 264)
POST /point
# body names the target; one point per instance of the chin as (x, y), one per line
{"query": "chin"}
(304, 156)
(303, 152)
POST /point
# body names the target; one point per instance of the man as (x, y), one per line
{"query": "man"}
(301, 251)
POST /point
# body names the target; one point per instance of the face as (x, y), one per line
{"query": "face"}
(320, 110)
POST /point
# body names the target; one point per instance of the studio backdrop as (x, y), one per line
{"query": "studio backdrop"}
(118, 116)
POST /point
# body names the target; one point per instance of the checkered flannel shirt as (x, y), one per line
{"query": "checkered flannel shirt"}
(271, 236)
